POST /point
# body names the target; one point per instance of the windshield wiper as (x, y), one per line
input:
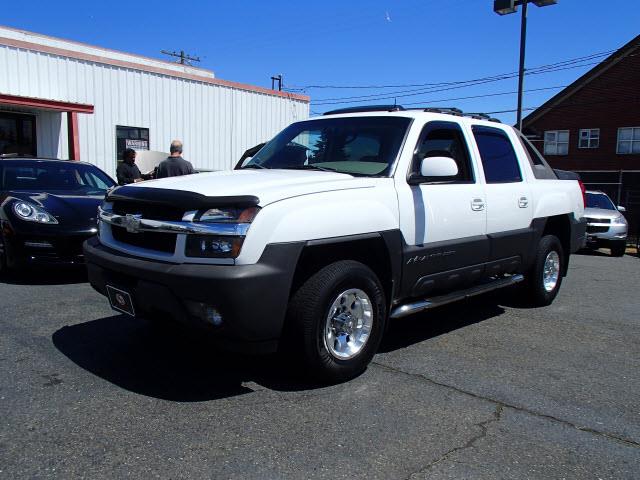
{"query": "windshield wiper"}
(254, 165)
(311, 167)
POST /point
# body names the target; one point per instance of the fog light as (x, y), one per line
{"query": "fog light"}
(205, 312)
(37, 244)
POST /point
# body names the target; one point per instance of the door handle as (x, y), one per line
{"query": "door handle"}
(477, 204)
(523, 202)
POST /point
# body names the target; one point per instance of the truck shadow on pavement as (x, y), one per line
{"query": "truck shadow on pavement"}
(178, 366)
(150, 360)
(404, 332)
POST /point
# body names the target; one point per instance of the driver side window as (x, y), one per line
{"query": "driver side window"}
(444, 139)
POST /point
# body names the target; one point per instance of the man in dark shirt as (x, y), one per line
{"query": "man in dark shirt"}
(174, 165)
(127, 171)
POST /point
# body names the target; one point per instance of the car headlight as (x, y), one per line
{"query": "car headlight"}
(227, 215)
(620, 220)
(219, 246)
(213, 246)
(31, 213)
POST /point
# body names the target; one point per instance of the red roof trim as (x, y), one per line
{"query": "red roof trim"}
(148, 68)
(45, 104)
(82, 44)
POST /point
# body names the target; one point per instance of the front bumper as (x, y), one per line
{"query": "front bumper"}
(252, 299)
(55, 249)
(611, 233)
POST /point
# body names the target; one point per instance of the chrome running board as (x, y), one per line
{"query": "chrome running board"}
(428, 303)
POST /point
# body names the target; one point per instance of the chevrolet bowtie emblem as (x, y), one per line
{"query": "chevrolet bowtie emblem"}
(132, 222)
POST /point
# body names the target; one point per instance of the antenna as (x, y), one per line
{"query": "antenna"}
(183, 58)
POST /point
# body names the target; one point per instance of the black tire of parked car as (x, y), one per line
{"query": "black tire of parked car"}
(3, 257)
(308, 312)
(533, 289)
(618, 249)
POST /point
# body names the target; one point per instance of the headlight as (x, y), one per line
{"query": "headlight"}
(219, 246)
(31, 213)
(226, 215)
(213, 246)
(620, 220)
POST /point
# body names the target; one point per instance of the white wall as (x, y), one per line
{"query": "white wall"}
(216, 123)
(51, 134)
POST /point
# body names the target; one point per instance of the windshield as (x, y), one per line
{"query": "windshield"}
(599, 200)
(364, 146)
(47, 176)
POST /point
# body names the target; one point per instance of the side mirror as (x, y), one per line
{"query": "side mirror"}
(438, 167)
(621, 209)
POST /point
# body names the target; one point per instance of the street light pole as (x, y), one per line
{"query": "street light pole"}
(523, 47)
(505, 7)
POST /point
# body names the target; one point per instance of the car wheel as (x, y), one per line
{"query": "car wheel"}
(338, 317)
(618, 249)
(543, 280)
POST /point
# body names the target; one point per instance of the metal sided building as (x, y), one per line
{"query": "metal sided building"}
(64, 99)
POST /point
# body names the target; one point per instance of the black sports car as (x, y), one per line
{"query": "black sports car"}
(47, 209)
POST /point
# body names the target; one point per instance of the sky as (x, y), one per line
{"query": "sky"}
(410, 51)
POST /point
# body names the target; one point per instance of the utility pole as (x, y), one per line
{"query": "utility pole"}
(523, 49)
(505, 7)
(277, 78)
(183, 58)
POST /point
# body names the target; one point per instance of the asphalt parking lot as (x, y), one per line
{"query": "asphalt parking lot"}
(484, 389)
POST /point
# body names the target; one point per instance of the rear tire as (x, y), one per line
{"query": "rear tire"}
(618, 249)
(337, 318)
(543, 280)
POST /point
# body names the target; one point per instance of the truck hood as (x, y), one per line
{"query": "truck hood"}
(601, 213)
(268, 185)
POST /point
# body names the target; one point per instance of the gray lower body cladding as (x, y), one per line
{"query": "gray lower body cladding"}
(252, 299)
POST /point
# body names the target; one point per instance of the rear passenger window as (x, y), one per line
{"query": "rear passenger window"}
(534, 155)
(499, 159)
(444, 139)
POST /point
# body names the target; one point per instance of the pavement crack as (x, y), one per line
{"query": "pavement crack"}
(610, 436)
(484, 428)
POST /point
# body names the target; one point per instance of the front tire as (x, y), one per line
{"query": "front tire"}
(338, 317)
(543, 280)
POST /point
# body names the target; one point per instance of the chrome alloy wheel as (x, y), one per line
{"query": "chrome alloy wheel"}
(348, 324)
(551, 271)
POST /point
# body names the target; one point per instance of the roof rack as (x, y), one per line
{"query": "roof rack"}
(397, 108)
(458, 112)
(482, 116)
(366, 108)
(447, 110)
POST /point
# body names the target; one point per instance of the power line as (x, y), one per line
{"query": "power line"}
(462, 84)
(364, 87)
(396, 95)
(570, 105)
(497, 94)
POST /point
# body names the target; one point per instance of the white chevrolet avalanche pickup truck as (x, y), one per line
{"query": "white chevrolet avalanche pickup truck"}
(337, 225)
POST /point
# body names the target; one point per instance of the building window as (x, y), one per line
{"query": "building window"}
(556, 142)
(17, 134)
(131, 137)
(629, 140)
(589, 138)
